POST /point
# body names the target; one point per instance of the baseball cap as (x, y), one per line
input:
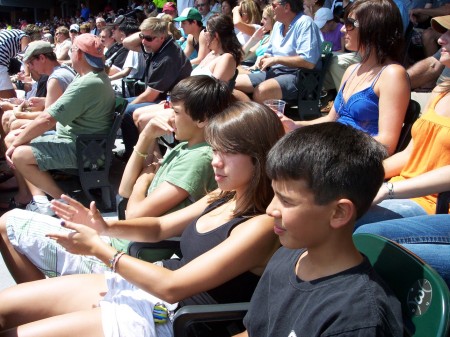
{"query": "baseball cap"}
(74, 27)
(92, 47)
(169, 6)
(441, 23)
(189, 13)
(117, 21)
(37, 48)
(322, 16)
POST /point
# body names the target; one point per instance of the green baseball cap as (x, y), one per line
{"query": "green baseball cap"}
(36, 48)
(189, 13)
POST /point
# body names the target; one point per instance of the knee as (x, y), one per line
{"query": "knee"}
(3, 226)
(22, 155)
(9, 138)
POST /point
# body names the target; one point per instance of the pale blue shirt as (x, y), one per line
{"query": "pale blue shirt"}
(302, 39)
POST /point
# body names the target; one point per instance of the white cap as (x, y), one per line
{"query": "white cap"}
(74, 27)
(322, 16)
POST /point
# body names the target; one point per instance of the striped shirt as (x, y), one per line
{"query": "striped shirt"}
(9, 44)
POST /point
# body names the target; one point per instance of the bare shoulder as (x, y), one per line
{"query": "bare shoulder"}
(259, 225)
(394, 70)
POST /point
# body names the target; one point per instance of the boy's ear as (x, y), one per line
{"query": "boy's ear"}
(344, 213)
(202, 124)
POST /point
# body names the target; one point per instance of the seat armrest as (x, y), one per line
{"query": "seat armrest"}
(192, 314)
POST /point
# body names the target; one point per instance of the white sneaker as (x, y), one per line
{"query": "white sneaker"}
(42, 208)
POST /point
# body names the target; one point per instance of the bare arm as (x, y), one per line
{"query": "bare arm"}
(250, 46)
(54, 92)
(133, 42)
(393, 91)
(157, 126)
(431, 182)
(37, 127)
(120, 74)
(424, 72)
(395, 163)
(288, 61)
(203, 49)
(244, 27)
(189, 48)
(252, 243)
(225, 67)
(144, 229)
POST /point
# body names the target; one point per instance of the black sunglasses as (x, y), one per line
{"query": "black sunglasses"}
(147, 38)
(350, 24)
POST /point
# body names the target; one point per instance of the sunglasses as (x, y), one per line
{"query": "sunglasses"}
(350, 24)
(147, 38)
(200, 5)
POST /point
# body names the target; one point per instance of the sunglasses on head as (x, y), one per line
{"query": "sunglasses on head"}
(147, 38)
(350, 24)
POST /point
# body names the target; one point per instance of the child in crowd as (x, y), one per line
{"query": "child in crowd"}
(216, 232)
(185, 175)
(324, 177)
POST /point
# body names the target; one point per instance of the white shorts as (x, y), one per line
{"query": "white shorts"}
(26, 231)
(127, 311)
(5, 80)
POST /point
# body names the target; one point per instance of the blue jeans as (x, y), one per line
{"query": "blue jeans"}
(391, 209)
(426, 236)
(130, 132)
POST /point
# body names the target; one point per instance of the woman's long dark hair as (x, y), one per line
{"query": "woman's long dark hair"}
(223, 26)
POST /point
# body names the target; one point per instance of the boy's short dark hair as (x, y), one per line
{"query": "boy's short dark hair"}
(202, 96)
(335, 160)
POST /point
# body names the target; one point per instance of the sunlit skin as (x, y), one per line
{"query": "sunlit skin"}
(444, 42)
(153, 46)
(351, 37)
(232, 171)
(299, 221)
(226, 8)
(184, 126)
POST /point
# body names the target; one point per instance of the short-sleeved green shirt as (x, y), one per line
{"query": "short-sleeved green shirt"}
(85, 107)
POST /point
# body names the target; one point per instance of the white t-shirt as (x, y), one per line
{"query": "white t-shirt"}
(243, 38)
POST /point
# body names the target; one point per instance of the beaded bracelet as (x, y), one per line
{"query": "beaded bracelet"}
(140, 154)
(114, 259)
(390, 187)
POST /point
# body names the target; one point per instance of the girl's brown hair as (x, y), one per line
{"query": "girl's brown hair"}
(252, 129)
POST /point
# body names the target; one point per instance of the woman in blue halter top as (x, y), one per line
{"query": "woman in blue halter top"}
(375, 93)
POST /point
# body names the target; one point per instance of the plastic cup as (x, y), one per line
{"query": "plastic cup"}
(277, 105)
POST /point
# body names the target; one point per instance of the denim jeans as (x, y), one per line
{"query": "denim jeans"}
(426, 236)
(391, 209)
(130, 132)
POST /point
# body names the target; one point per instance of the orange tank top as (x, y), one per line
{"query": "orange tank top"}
(431, 136)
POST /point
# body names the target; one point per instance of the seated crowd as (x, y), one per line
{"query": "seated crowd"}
(238, 182)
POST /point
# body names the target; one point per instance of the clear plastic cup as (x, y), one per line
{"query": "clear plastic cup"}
(277, 105)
